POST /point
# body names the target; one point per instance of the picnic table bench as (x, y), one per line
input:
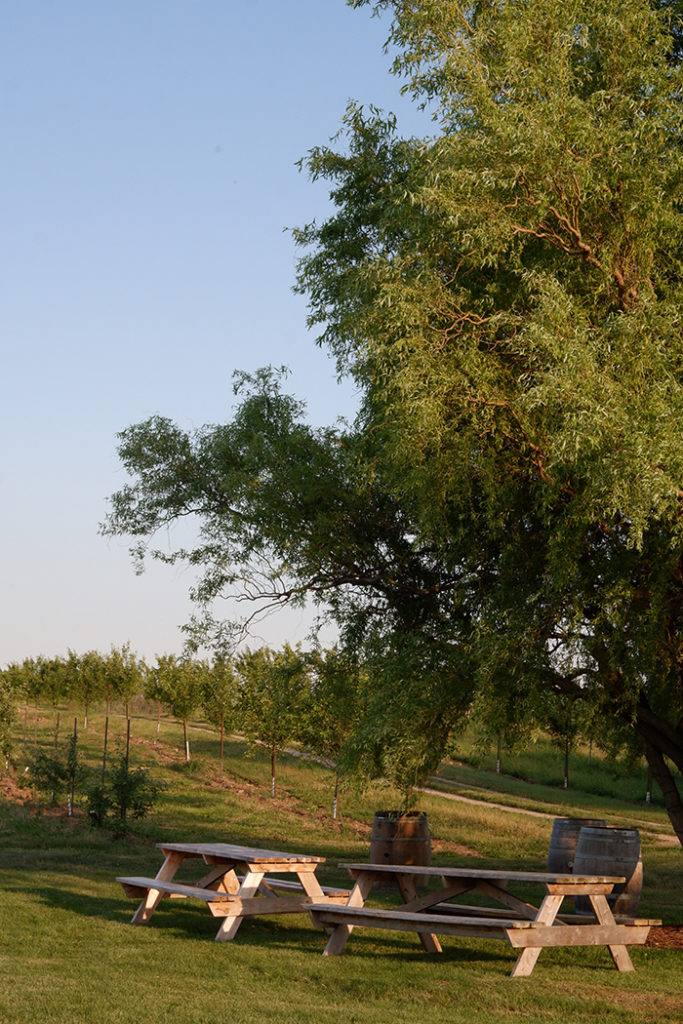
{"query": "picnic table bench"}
(240, 883)
(523, 925)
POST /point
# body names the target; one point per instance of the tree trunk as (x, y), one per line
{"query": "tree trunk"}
(666, 782)
(187, 742)
(273, 766)
(663, 740)
(104, 748)
(156, 734)
(222, 739)
(336, 796)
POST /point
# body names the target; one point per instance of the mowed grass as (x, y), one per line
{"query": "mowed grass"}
(68, 953)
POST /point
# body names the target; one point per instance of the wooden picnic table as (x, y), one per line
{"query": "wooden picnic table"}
(241, 881)
(526, 926)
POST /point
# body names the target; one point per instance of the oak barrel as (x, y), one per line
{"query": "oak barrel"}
(611, 851)
(563, 840)
(400, 838)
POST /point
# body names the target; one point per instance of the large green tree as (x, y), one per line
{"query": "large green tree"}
(505, 518)
(508, 295)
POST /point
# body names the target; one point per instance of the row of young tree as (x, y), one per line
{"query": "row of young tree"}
(322, 700)
(272, 697)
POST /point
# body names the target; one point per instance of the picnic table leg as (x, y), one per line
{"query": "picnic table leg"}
(528, 957)
(340, 932)
(603, 912)
(311, 886)
(151, 901)
(408, 890)
(221, 879)
(230, 924)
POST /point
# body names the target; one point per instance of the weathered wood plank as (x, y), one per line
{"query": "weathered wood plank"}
(408, 889)
(603, 913)
(340, 931)
(379, 917)
(249, 906)
(174, 889)
(242, 854)
(546, 916)
(152, 897)
(545, 877)
(229, 926)
(508, 900)
(580, 935)
(289, 885)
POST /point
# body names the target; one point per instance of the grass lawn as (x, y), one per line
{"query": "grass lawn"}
(68, 953)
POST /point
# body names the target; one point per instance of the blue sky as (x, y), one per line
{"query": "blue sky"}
(149, 172)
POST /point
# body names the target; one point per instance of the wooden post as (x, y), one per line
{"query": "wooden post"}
(104, 749)
(124, 807)
(335, 798)
(156, 734)
(73, 771)
(187, 742)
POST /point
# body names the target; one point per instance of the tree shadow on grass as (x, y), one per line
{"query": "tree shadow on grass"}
(364, 946)
(190, 922)
(120, 911)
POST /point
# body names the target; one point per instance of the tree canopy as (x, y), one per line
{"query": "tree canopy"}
(504, 520)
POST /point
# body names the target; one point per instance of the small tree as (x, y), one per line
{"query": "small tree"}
(125, 792)
(220, 693)
(124, 676)
(272, 690)
(56, 773)
(9, 685)
(51, 683)
(85, 674)
(153, 690)
(333, 709)
(133, 791)
(181, 688)
(562, 715)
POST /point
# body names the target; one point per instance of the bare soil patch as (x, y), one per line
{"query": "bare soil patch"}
(12, 792)
(665, 936)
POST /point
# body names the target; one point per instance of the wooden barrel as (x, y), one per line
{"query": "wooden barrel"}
(611, 851)
(563, 840)
(400, 838)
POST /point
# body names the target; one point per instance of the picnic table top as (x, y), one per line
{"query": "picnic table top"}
(240, 854)
(488, 874)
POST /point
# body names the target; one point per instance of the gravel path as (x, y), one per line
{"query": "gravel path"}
(663, 838)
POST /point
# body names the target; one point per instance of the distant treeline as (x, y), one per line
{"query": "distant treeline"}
(274, 697)
(323, 699)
